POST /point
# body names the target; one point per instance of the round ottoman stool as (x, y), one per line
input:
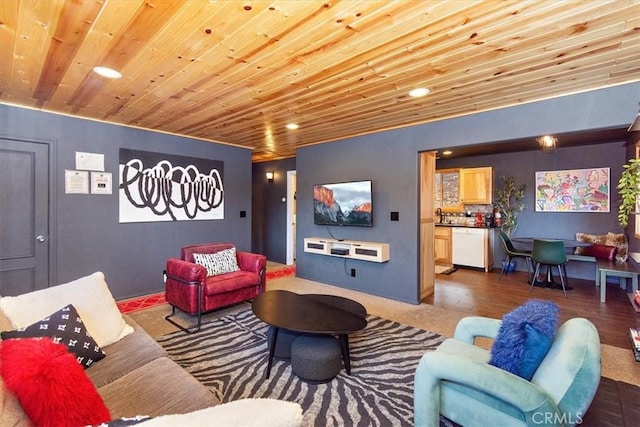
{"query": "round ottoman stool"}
(283, 345)
(316, 358)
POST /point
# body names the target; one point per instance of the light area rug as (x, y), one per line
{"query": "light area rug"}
(440, 269)
(229, 356)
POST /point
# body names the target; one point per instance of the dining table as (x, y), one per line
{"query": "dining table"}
(569, 244)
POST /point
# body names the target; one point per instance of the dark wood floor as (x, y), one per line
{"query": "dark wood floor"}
(616, 404)
(482, 294)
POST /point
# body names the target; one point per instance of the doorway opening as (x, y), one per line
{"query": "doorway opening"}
(291, 217)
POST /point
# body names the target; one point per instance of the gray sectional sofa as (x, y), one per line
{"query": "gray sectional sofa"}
(135, 378)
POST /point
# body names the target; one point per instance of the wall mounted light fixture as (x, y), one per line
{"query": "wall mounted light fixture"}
(270, 176)
(547, 142)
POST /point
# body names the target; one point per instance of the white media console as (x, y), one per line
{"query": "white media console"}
(365, 251)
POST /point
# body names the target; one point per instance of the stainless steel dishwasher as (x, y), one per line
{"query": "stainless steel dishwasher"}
(468, 246)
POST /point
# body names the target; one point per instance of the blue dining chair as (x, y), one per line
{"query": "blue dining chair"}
(550, 253)
(511, 252)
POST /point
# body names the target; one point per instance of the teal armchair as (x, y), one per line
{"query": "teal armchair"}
(457, 382)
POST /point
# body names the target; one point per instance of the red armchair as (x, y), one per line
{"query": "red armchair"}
(190, 289)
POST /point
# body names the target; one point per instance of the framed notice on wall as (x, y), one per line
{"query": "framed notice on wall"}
(574, 190)
(76, 182)
(101, 183)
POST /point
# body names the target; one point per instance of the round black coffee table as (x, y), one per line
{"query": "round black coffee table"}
(310, 313)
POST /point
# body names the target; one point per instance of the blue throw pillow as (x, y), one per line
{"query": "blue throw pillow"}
(525, 337)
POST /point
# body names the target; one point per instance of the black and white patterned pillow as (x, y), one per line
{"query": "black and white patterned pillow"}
(219, 263)
(66, 327)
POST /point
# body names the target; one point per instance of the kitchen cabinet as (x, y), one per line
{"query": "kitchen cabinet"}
(476, 186)
(456, 187)
(442, 245)
(447, 190)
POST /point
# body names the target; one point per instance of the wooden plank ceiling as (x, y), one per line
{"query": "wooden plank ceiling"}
(238, 71)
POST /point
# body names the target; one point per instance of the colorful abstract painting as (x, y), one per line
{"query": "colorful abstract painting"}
(577, 190)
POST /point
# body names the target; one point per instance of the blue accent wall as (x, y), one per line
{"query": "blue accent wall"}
(87, 235)
(390, 160)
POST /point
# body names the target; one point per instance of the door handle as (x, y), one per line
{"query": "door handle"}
(41, 239)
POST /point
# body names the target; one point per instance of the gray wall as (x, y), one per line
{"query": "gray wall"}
(390, 159)
(269, 228)
(87, 236)
(392, 167)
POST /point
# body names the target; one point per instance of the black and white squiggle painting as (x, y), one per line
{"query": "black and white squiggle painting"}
(162, 187)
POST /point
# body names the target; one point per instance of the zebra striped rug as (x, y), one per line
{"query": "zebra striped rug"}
(229, 355)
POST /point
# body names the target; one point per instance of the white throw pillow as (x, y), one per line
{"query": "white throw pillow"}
(90, 296)
(5, 324)
(218, 263)
(239, 413)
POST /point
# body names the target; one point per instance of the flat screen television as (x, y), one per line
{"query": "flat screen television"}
(343, 204)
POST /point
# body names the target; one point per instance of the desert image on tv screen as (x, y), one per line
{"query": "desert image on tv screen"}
(347, 203)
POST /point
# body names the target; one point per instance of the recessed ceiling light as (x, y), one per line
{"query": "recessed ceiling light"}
(107, 72)
(292, 126)
(418, 92)
(447, 153)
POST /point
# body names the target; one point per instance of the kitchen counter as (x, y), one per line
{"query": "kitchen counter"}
(443, 224)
